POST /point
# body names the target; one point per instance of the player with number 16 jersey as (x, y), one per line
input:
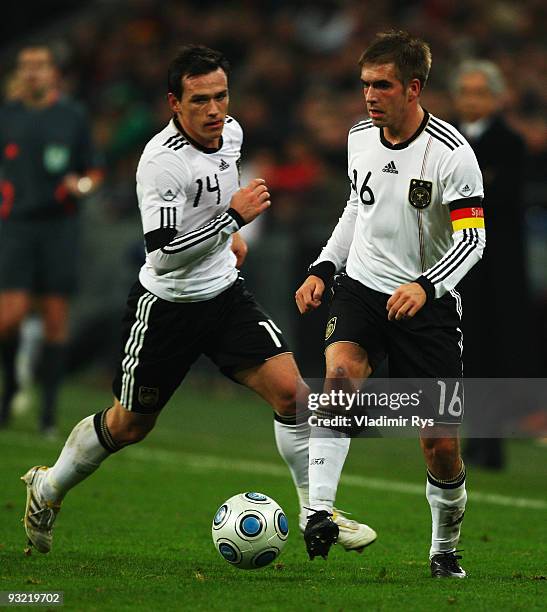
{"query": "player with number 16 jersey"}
(413, 226)
(414, 211)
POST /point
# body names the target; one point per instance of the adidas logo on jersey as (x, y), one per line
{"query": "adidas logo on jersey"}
(168, 195)
(390, 168)
(223, 165)
(466, 188)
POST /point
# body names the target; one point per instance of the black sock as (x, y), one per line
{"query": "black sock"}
(52, 370)
(8, 355)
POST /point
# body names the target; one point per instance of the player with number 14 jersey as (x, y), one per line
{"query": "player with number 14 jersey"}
(184, 192)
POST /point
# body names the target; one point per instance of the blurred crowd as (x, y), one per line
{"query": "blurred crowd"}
(294, 81)
(294, 87)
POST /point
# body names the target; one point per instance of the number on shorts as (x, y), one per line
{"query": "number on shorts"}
(455, 406)
(271, 328)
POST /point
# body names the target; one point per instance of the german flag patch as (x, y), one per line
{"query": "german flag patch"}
(467, 218)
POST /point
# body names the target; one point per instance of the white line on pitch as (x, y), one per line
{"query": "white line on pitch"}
(213, 462)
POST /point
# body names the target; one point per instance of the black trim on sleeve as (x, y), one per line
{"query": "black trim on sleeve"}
(467, 245)
(362, 125)
(325, 270)
(474, 202)
(435, 124)
(427, 286)
(441, 138)
(236, 217)
(191, 239)
(157, 239)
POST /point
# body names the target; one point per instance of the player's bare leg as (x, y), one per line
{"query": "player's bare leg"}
(277, 381)
(345, 361)
(446, 494)
(14, 307)
(92, 440)
(128, 427)
(441, 453)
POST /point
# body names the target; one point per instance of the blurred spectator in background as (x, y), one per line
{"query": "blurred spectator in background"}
(47, 163)
(496, 315)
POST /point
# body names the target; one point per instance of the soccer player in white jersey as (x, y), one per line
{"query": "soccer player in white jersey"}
(189, 299)
(412, 227)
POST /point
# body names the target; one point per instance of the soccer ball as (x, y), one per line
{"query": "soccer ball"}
(250, 530)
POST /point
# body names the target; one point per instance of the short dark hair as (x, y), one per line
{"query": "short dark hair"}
(411, 56)
(193, 60)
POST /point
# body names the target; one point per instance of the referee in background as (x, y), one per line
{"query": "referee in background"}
(47, 164)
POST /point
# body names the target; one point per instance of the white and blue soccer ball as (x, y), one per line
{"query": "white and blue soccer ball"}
(250, 530)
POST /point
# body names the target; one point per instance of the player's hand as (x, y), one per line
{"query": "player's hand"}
(239, 249)
(252, 200)
(308, 297)
(405, 301)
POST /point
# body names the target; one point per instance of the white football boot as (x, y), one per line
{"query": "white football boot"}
(352, 535)
(39, 514)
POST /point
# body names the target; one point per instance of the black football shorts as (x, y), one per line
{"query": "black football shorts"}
(429, 345)
(161, 340)
(40, 256)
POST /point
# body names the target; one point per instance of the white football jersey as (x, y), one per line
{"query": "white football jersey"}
(414, 211)
(184, 192)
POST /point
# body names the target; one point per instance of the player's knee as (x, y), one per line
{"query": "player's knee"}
(130, 433)
(127, 427)
(442, 451)
(338, 370)
(346, 368)
(285, 401)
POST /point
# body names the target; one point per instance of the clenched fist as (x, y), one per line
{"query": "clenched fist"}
(252, 200)
(308, 297)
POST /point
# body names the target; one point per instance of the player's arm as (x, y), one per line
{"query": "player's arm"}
(468, 238)
(239, 248)
(239, 245)
(170, 249)
(332, 259)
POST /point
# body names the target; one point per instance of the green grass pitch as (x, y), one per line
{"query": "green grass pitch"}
(136, 535)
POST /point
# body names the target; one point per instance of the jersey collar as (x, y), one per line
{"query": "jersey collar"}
(195, 144)
(405, 143)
